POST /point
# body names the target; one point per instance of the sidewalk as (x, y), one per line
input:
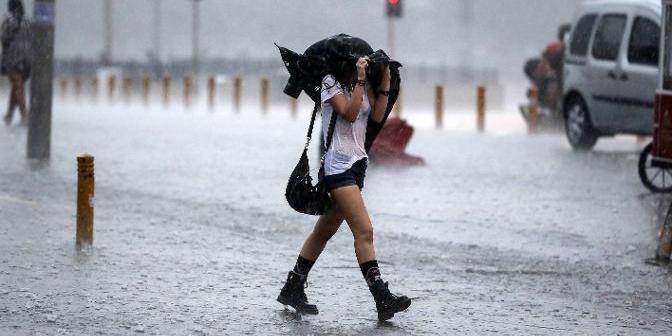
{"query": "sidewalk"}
(498, 234)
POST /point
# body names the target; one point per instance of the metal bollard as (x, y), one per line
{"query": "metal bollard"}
(293, 106)
(85, 199)
(146, 88)
(128, 88)
(96, 88)
(166, 90)
(64, 88)
(111, 87)
(78, 87)
(533, 112)
(264, 94)
(187, 90)
(438, 106)
(480, 109)
(212, 90)
(237, 92)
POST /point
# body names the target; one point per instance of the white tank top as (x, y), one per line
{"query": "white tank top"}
(347, 145)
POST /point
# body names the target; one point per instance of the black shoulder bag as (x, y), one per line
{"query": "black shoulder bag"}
(301, 194)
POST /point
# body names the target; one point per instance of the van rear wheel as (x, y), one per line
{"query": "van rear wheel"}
(578, 127)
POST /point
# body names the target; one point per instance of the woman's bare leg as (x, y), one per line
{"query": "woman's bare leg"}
(325, 228)
(351, 205)
(12, 100)
(350, 202)
(21, 97)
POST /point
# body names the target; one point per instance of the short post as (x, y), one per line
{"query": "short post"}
(146, 88)
(85, 199)
(78, 87)
(664, 249)
(166, 90)
(64, 88)
(111, 87)
(128, 87)
(187, 90)
(237, 92)
(293, 106)
(438, 106)
(397, 105)
(212, 90)
(96, 88)
(480, 109)
(264, 94)
(533, 110)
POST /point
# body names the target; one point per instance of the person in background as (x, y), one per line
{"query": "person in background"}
(546, 72)
(16, 37)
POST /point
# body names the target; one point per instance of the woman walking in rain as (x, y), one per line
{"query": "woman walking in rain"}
(16, 37)
(349, 93)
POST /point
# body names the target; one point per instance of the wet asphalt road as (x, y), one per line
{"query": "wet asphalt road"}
(499, 233)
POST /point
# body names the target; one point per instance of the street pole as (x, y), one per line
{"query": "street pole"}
(41, 86)
(157, 29)
(390, 35)
(107, 19)
(196, 21)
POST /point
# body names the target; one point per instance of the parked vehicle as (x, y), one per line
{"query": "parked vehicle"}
(611, 70)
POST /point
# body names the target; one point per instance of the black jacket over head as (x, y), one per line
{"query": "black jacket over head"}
(328, 56)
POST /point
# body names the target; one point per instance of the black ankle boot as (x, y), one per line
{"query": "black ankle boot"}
(387, 303)
(292, 294)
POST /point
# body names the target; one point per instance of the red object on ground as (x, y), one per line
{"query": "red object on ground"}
(389, 147)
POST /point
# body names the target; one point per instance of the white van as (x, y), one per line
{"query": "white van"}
(610, 74)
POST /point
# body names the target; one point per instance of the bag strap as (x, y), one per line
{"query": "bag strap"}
(330, 132)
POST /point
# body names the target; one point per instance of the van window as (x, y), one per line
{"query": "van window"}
(581, 35)
(644, 42)
(608, 37)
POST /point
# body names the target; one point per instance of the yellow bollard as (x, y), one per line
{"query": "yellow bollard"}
(166, 90)
(293, 106)
(78, 87)
(146, 88)
(237, 92)
(397, 105)
(480, 109)
(85, 199)
(111, 87)
(264, 94)
(533, 110)
(64, 88)
(128, 87)
(438, 106)
(212, 90)
(96, 88)
(187, 90)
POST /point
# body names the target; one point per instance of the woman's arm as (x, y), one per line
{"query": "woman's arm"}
(349, 109)
(380, 105)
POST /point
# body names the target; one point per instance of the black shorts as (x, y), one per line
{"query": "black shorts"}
(353, 176)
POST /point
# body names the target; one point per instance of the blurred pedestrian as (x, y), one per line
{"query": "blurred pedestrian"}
(350, 93)
(16, 37)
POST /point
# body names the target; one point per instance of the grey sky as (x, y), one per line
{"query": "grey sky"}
(503, 32)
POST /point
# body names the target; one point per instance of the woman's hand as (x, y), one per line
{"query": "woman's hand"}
(385, 83)
(362, 64)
